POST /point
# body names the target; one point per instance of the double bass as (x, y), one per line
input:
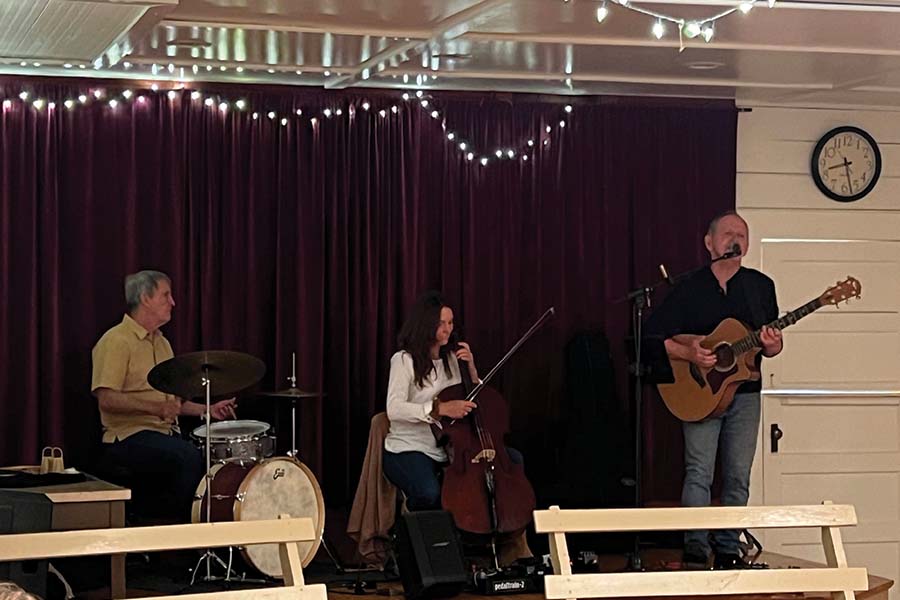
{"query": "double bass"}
(483, 489)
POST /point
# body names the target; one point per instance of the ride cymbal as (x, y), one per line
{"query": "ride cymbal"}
(228, 372)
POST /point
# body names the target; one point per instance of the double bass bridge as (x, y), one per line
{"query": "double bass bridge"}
(486, 455)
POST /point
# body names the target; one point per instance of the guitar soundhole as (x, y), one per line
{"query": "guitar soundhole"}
(724, 357)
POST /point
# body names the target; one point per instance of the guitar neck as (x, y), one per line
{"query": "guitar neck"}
(751, 340)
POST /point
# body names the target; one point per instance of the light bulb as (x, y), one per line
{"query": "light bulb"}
(499, 153)
(271, 114)
(405, 96)
(470, 156)
(339, 112)
(419, 94)
(511, 153)
(484, 161)
(451, 136)
(525, 157)
(313, 121)
(530, 143)
(382, 112)
(435, 114)
(208, 102)
(223, 106)
(691, 29)
(745, 7)
(38, 104)
(568, 108)
(707, 32)
(394, 109)
(659, 29)
(548, 129)
(195, 95)
(255, 116)
(463, 146)
(113, 103)
(23, 96)
(127, 94)
(82, 98)
(771, 3)
(562, 124)
(69, 104)
(299, 112)
(284, 122)
(327, 112)
(154, 87)
(602, 13)
(240, 69)
(424, 103)
(365, 105)
(172, 94)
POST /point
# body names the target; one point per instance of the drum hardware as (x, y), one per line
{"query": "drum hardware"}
(294, 393)
(190, 376)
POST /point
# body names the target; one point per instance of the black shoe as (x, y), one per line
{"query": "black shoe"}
(727, 560)
(694, 561)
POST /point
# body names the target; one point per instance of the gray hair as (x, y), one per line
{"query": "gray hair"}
(142, 283)
(10, 591)
(715, 221)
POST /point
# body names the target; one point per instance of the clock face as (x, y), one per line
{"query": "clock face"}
(846, 164)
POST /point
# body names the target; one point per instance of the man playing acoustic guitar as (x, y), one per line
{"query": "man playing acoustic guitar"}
(692, 311)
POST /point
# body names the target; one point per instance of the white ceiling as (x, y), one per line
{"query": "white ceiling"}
(838, 52)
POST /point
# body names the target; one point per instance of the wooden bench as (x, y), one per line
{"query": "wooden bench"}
(837, 578)
(285, 532)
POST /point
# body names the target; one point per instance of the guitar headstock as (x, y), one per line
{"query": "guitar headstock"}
(842, 291)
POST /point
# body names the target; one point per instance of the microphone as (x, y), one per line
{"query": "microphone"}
(734, 251)
(665, 274)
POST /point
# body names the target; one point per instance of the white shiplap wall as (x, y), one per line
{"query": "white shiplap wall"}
(842, 438)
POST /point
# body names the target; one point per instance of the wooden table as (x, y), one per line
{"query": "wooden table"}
(91, 504)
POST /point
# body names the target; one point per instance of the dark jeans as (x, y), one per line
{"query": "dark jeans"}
(157, 459)
(419, 476)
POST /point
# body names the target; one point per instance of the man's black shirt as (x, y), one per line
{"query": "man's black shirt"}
(698, 304)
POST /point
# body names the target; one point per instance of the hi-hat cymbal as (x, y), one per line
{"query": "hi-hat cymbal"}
(229, 373)
(292, 393)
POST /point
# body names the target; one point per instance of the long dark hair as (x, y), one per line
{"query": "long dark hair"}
(417, 335)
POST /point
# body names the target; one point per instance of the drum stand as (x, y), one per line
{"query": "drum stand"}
(209, 555)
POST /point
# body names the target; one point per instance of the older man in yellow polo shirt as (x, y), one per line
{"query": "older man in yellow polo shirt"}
(140, 424)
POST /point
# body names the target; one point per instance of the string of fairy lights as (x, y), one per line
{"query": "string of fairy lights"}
(523, 150)
(686, 28)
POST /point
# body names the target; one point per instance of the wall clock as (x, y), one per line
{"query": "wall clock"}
(846, 164)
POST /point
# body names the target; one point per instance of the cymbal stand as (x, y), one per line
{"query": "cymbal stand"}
(293, 379)
(209, 554)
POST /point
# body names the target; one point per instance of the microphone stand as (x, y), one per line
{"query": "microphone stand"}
(640, 298)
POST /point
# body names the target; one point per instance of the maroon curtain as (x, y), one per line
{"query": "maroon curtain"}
(315, 238)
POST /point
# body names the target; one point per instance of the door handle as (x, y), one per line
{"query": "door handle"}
(775, 434)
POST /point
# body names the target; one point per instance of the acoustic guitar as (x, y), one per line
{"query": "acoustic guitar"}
(699, 392)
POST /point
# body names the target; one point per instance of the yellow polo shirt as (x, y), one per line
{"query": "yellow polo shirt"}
(122, 359)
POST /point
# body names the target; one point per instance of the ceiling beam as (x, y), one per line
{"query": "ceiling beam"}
(449, 28)
(885, 6)
(334, 28)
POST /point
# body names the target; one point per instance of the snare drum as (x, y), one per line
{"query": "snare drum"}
(238, 440)
(253, 492)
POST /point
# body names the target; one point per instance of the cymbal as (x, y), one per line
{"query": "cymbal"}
(229, 372)
(292, 393)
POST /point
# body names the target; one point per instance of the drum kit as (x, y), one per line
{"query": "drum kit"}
(244, 481)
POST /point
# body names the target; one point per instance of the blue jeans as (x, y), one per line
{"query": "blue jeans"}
(160, 459)
(419, 476)
(735, 432)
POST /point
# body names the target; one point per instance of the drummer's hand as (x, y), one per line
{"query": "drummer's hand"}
(223, 409)
(455, 409)
(169, 409)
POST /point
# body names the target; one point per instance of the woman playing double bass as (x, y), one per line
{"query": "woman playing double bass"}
(424, 365)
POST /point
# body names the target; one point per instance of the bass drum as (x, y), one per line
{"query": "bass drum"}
(278, 485)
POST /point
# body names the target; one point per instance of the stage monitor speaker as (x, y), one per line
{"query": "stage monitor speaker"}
(429, 555)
